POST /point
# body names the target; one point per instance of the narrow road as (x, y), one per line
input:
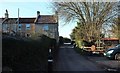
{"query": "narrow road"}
(69, 60)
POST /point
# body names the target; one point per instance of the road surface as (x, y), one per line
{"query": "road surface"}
(69, 60)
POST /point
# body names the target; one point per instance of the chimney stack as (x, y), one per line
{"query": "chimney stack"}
(38, 13)
(6, 14)
(56, 16)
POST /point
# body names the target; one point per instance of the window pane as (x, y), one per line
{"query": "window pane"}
(19, 26)
(27, 26)
(45, 27)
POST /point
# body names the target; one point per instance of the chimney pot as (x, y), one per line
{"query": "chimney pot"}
(6, 14)
(38, 13)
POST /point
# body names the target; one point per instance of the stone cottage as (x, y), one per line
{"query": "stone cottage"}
(41, 24)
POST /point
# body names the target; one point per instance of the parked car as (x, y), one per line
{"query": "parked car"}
(113, 53)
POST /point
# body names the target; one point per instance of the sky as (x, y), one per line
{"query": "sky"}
(29, 9)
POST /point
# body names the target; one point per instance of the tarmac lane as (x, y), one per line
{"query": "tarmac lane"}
(69, 60)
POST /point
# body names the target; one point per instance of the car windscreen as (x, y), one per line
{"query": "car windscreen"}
(118, 45)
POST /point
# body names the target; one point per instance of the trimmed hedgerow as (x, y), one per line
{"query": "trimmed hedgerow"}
(26, 54)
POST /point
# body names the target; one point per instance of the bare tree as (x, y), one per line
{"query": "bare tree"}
(115, 28)
(90, 15)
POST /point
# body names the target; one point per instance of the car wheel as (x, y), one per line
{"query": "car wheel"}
(117, 56)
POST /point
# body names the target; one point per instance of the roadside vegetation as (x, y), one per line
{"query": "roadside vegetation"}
(26, 54)
(95, 20)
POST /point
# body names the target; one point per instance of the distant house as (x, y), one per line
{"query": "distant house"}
(42, 24)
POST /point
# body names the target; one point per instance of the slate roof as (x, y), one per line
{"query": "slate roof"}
(46, 19)
(41, 19)
(26, 20)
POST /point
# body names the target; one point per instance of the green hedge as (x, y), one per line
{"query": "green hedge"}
(26, 54)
